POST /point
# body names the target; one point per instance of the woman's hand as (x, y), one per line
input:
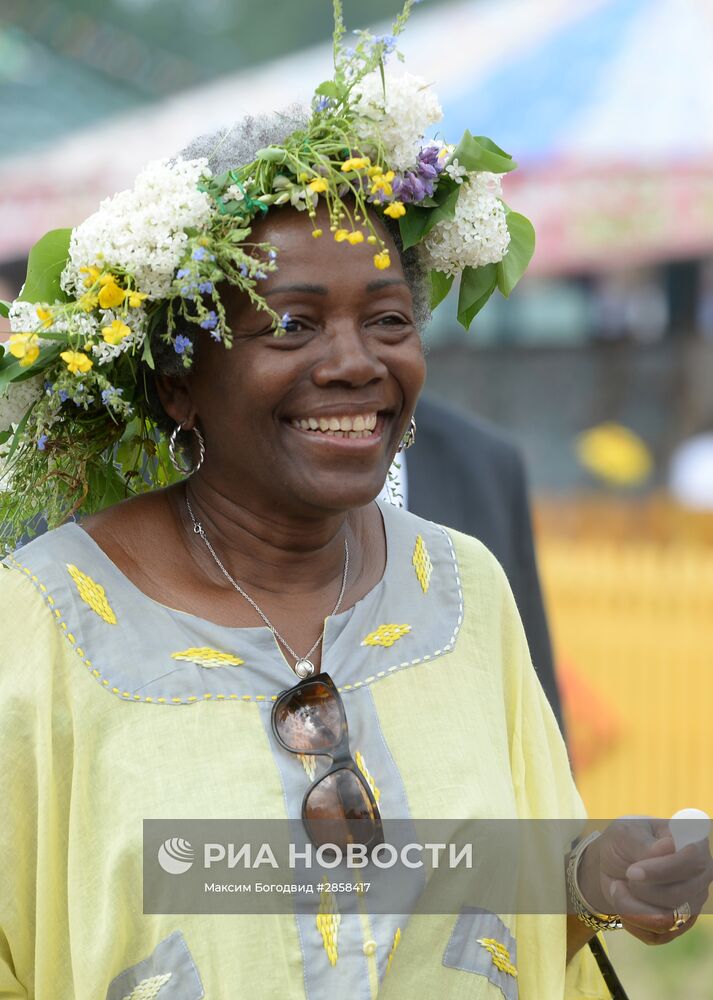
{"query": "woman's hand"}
(633, 869)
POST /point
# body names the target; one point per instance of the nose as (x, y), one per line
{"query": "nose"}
(348, 359)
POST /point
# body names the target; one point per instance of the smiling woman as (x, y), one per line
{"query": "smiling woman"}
(258, 639)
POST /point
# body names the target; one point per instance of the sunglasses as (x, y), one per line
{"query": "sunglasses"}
(339, 807)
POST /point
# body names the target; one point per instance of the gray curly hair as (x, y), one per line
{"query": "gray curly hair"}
(233, 147)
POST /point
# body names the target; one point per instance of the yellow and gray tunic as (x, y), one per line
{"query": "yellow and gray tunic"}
(115, 709)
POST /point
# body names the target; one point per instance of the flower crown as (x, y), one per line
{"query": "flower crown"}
(75, 424)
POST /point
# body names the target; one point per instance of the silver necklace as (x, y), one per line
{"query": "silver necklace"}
(303, 665)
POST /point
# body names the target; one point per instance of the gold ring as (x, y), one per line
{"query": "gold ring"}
(681, 916)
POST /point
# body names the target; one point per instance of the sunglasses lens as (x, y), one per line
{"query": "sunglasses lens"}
(310, 719)
(338, 811)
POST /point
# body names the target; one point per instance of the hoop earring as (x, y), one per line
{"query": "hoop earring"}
(409, 437)
(172, 451)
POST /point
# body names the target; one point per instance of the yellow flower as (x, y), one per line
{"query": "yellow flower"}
(371, 239)
(303, 178)
(356, 163)
(318, 185)
(341, 235)
(136, 298)
(110, 295)
(24, 346)
(383, 183)
(396, 209)
(355, 237)
(88, 301)
(45, 315)
(92, 275)
(76, 361)
(316, 233)
(382, 260)
(374, 171)
(115, 333)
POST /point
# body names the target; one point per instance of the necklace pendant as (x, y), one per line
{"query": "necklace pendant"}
(304, 668)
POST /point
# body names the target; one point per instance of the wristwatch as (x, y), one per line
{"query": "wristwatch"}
(588, 916)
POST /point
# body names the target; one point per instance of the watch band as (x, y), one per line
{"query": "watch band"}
(588, 916)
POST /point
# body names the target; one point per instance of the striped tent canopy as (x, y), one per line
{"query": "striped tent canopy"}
(607, 105)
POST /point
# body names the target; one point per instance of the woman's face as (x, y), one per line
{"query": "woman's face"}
(311, 419)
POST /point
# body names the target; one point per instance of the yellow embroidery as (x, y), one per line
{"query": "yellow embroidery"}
(422, 563)
(92, 594)
(365, 771)
(309, 763)
(386, 635)
(206, 657)
(328, 921)
(394, 946)
(499, 954)
(147, 989)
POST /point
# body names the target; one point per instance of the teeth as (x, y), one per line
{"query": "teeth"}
(360, 426)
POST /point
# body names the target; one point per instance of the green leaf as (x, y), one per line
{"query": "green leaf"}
(418, 221)
(239, 235)
(45, 264)
(12, 371)
(477, 284)
(519, 254)
(18, 434)
(440, 287)
(329, 89)
(481, 153)
(146, 354)
(5, 308)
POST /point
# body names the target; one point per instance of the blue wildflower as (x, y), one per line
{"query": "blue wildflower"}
(41, 442)
(198, 253)
(260, 275)
(243, 270)
(184, 272)
(388, 41)
(110, 393)
(322, 104)
(182, 344)
(286, 319)
(215, 334)
(210, 322)
(272, 255)
(48, 388)
(205, 287)
(63, 395)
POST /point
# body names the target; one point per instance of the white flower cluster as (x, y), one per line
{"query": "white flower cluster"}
(141, 231)
(477, 234)
(400, 118)
(17, 399)
(23, 317)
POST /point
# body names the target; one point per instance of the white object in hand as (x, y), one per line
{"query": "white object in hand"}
(690, 827)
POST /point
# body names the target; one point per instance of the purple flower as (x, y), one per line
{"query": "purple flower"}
(205, 287)
(48, 388)
(110, 393)
(184, 272)
(182, 344)
(63, 395)
(411, 188)
(388, 41)
(41, 442)
(210, 322)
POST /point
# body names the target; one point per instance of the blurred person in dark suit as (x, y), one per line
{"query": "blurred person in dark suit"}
(466, 473)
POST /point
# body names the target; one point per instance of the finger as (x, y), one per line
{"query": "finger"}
(656, 939)
(643, 915)
(690, 862)
(666, 897)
